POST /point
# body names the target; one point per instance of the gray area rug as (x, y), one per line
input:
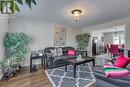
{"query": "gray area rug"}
(59, 78)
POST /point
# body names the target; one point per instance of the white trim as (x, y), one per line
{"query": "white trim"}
(50, 79)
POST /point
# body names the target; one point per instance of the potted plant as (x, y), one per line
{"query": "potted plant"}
(16, 49)
(83, 41)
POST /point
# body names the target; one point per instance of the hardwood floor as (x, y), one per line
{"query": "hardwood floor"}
(26, 79)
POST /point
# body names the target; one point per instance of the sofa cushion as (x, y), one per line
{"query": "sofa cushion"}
(54, 52)
(65, 50)
(59, 52)
(122, 61)
(71, 52)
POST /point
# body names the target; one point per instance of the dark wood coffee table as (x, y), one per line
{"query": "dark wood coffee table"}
(75, 62)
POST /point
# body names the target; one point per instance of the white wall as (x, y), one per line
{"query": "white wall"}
(3, 30)
(71, 33)
(41, 33)
(125, 21)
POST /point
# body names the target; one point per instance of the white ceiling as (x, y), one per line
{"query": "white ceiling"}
(94, 11)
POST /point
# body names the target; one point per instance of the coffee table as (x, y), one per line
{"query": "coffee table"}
(75, 62)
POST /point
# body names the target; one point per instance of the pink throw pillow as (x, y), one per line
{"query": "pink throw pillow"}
(122, 61)
(71, 52)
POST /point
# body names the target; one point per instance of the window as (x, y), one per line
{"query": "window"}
(119, 38)
(122, 38)
(115, 39)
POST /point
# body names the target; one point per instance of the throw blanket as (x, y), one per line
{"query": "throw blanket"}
(115, 72)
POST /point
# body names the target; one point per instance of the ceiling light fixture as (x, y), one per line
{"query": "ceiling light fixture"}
(76, 14)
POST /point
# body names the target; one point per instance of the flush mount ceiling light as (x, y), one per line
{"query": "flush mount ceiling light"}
(76, 14)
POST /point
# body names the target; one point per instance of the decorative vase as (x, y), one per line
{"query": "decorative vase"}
(79, 57)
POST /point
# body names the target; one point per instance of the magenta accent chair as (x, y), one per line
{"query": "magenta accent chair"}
(114, 50)
(123, 45)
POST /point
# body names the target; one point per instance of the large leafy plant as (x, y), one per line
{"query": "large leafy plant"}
(83, 40)
(16, 49)
(20, 2)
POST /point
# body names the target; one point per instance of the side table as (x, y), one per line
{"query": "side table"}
(35, 56)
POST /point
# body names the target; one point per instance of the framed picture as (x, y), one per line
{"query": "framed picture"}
(60, 36)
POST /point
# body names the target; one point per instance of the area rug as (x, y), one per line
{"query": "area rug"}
(59, 78)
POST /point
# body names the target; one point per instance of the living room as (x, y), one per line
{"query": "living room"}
(40, 22)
